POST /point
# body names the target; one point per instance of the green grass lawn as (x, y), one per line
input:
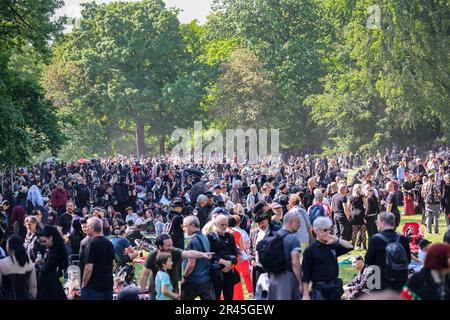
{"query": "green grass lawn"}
(347, 272)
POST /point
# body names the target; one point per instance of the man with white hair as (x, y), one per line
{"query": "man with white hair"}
(287, 285)
(201, 211)
(98, 269)
(320, 265)
(225, 254)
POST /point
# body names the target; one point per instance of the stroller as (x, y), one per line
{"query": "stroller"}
(73, 283)
(414, 232)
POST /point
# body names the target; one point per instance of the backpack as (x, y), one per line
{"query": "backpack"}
(271, 253)
(396, 258)
(315, 211)
(429, 199)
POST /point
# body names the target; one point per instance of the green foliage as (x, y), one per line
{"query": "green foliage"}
(28, 122)
(389, 84)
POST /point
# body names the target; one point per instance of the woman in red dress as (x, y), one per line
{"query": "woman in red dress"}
(238, 292)
(408, 196)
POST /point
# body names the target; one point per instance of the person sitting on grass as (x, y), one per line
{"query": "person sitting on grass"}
(358, 286)
(417, 262)
(163, 286)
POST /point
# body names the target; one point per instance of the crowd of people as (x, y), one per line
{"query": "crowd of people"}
(278, 225)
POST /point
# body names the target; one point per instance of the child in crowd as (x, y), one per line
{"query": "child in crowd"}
(163, 286)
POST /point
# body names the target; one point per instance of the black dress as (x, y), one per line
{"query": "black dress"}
(445, 200)
(15, 287)
(358, 211)
(49, 287)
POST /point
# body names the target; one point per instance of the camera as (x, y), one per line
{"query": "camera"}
(231, 258)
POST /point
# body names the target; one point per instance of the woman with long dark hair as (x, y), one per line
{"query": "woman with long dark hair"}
(53, 264)
(17, 272)
(32, 242)
(76, 235)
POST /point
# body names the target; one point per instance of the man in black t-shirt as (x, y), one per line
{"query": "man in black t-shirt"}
(97, 281)
(65, 220)
(341, 213)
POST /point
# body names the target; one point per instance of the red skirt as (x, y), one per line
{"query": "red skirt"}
(408, 202)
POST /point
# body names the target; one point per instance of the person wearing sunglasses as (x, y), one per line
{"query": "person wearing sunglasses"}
(320, 265)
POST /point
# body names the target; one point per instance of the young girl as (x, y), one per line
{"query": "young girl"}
(163, 286)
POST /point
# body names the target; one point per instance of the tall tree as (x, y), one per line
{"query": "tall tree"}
(28, 122)
(287, 37)
(386, 83)
(135, 61)
(244, 96)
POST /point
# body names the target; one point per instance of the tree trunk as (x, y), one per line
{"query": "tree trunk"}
(140, 145)
(162, 142)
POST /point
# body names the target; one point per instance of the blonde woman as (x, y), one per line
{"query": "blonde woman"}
(210, 225)
(356, 205)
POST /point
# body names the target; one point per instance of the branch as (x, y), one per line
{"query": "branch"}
(19, 16)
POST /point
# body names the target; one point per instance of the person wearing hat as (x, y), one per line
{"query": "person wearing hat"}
(358, 286)
(210, 202)
(175, 227)
(263, 229)
(277, 218)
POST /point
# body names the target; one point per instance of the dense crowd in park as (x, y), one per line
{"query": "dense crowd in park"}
(274, 227)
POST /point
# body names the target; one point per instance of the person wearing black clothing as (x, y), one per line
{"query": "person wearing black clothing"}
(419, 168)
(356, 205)
(76, 236)
(65, 220)
(225, 254)
(51, 268)
(376, 252)
(308, 198)
(122, 196)
(372, 210)
(341, 212)
(82, 194)
(282, 197)
(97, 283)
(392, 203)
(32, 243)
(176, 221)
(210, 203)
(201, 210)
(432, 282)
(17, 272)
(445, 199)
(320, 265)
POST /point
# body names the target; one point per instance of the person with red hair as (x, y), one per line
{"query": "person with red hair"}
(432, 282)
(16, 222)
